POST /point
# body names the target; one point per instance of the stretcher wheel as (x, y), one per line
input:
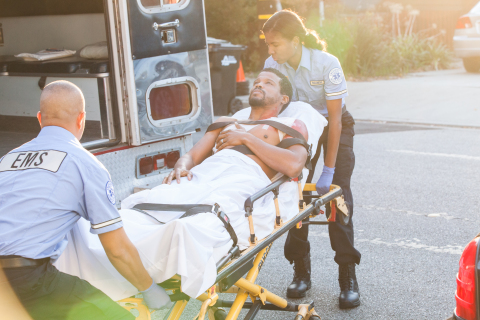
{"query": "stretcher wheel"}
(220, 314)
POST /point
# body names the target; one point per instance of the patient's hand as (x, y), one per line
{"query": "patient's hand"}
(177, 173)
(231, 138)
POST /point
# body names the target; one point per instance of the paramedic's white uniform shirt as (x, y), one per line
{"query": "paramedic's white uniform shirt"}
(318, 78)
(46, 185)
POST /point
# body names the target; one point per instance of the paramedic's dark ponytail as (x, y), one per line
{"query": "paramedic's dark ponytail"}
(290, 25)
(312, 40)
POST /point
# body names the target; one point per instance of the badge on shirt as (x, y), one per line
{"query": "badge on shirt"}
(317, 82)
(109, 192)
(336, 76)
(50, 160)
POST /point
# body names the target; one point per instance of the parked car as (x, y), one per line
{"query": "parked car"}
(466, 40)
(467, 295)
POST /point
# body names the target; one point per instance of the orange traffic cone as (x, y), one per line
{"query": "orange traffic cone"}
(240, 73)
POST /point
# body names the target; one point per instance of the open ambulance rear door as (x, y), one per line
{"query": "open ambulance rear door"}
(160, 59)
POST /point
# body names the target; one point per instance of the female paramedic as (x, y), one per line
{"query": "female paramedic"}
(317, 78)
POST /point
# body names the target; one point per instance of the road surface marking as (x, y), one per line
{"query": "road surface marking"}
(411, 244)
(446, 155)
(406, 244)
(443, 215)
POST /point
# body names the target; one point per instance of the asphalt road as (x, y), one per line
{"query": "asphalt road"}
(416, 207)
(416, 199)
(450, 97)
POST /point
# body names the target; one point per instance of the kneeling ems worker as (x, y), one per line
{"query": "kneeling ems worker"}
(46, 185)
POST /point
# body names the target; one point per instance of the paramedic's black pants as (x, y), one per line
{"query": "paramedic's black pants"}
(47, 293)
(341, 237)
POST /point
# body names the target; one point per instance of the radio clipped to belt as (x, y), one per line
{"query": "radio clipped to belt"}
(337, 210)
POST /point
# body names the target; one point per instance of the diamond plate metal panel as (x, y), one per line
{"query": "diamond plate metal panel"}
(122, 165)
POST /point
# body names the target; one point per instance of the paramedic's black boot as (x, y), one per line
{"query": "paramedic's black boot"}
(349, 293)
(301, 279)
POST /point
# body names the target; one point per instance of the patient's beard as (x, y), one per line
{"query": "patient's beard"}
(256, 102)
(260, 102)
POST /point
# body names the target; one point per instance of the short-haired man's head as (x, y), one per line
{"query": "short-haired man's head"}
(61, 101)
(270, 95)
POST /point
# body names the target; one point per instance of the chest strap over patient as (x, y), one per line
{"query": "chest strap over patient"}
(190, 210)
(297, 137)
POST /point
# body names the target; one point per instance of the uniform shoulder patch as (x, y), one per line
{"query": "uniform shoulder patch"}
(336, 76)
(49, 160)
(110, 193)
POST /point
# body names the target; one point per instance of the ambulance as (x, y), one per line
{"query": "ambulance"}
(143, 68)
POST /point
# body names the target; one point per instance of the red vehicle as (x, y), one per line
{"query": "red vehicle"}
(467, 295)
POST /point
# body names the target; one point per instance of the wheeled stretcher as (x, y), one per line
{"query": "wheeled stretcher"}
(238, 271)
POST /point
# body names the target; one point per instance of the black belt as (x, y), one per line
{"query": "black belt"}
(8, 262)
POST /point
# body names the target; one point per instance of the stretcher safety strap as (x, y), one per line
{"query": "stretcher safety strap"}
(284, 144)
(277, 125)
(190, 210)
(297, 137)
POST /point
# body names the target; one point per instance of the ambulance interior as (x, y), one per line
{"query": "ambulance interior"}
(29, 26)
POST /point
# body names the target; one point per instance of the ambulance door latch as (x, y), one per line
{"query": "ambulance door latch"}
(175, 24)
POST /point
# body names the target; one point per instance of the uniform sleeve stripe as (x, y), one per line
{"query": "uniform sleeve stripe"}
(336, 93)
(106, 223)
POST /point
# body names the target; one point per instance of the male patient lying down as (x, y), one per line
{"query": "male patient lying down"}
(191, 246)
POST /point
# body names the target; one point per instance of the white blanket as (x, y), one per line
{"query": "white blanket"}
(189, 247)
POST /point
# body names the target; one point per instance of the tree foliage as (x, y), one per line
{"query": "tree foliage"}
(362, 41)
(236, 21)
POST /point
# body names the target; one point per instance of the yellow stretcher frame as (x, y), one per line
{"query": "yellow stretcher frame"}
(236, 264)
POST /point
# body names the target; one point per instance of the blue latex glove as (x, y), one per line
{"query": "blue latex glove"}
(156, 297)
(323, 184)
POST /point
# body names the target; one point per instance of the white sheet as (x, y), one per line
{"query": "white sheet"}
(189, 247)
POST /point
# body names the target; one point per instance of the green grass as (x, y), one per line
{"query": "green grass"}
(338, 37)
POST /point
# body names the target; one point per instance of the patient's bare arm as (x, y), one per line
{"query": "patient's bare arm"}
(200, 151)
(287, 161)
